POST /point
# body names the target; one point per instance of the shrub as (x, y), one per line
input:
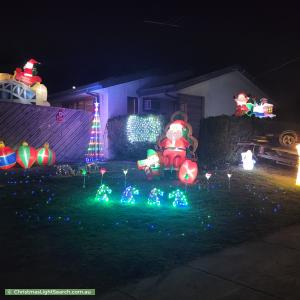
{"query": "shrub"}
(220, 135)
(130, 136)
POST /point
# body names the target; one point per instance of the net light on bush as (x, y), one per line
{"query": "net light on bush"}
(143, 128)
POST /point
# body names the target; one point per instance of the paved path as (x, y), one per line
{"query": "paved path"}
(263, 270)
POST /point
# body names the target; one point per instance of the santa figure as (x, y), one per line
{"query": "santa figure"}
(29, 68)
(175, 144)
(242, 105)
(29, 74)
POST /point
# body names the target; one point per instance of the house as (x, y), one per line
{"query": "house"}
(200, 96)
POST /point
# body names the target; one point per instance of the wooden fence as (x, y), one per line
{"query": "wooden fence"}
(66, 130)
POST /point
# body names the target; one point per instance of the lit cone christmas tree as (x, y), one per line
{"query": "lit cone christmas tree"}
(155, 197)
(95, 150)
(180, 199)
(103, 193)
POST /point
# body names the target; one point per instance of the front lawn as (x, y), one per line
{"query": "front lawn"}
(54, 234)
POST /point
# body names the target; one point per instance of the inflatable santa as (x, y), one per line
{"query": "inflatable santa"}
(28, 75)
(243, 106)
(177, 143)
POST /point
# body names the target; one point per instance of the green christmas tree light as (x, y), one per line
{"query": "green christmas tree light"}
(103, 193)
(129, 195)
(180, 199)
(155, 197)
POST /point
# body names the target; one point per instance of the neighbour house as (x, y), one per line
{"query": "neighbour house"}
(200, 96)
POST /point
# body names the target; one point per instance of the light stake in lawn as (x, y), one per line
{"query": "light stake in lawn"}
(229, 178)
(298, 175)
(102, 172)
(125, 171)
(207, 175)
(83, 172)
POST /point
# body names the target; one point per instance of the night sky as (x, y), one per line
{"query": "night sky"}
(79, 46)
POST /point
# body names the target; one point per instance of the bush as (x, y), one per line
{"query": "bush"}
(124, 148)
(220, 135)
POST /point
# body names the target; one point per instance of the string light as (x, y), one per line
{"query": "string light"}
(144, 128)
(155, 197)
(103, 193)
(95, 147)
(129, 195)
(180, 199)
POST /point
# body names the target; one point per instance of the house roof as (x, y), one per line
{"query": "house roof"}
(111, 81)
(177, 85)
(161, 82)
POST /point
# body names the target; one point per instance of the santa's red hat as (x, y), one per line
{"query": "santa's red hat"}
(179, 122)
(33, 61)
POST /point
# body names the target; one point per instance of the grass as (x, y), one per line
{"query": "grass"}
(54, 235)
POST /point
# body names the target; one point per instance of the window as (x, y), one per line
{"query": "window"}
(151, 105)
(147, 104)
(132, 105)
(183, 107)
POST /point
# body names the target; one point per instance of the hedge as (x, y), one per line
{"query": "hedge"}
(119, 145)
(219, 136)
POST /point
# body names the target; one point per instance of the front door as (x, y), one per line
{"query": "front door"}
(194, 107)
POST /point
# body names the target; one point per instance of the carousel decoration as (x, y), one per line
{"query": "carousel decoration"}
(45, 156)
(246, 105)
(26, 156)
(29, 73)
(7, 157)
(24, 86)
